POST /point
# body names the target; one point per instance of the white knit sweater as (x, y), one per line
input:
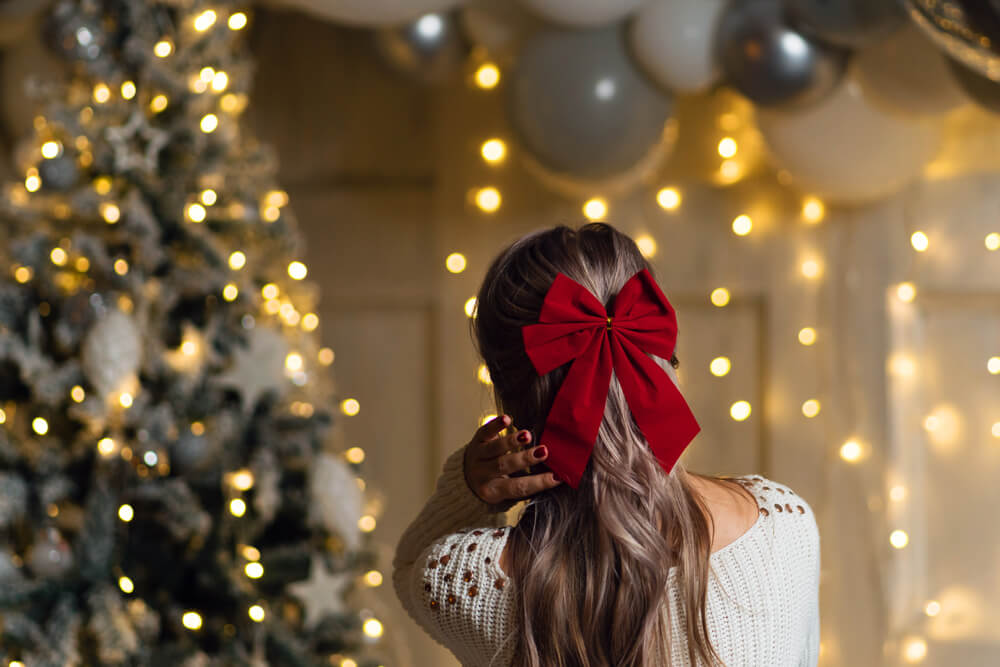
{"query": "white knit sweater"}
(763, 593)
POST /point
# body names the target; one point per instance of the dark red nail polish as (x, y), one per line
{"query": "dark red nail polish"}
(540, 452)
(522, 436)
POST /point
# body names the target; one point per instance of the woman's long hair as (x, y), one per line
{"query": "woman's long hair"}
(592, 563)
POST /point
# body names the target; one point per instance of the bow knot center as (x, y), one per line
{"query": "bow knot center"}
(609, 324)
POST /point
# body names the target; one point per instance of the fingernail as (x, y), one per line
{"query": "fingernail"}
(522, 436)
(540, 452)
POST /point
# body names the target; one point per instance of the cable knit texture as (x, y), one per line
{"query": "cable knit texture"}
(763, 592)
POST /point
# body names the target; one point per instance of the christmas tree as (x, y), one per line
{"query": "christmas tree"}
(172, 488)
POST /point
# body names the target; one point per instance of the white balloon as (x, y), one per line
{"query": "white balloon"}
(905, 72)
(580, 13)
(369, 12)
(845, 150)
(673, 40)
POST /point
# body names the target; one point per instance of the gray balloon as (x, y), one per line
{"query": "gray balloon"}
(772, 63)
(983, 91)
(579, 106)
(851, 23)
(430, 49)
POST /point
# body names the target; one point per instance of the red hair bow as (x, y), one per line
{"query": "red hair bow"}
(574, 326)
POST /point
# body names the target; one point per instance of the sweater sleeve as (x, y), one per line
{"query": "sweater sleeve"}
(446, 570)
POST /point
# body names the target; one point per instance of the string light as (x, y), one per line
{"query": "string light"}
(242, 480)
(121, 266)
(237, 21)
(325, 356)
(191, 620)
(110, 213)
(739, 410)
(209, 122)
(220, 81)
(595, 209)
(646, 245)
(992, 241)
(993, 365)
(237, 260)
(158, 103)
(293, 362)
(126, 513)
(906, 292)
(373, 578)
(32, 182)
(488, 199)
(807, 335)
(811, 268)
(355, 455)
(51, 149)
(310, 321)
(106, 446)
(742, 225)
(487, 76)
(128, 90)
(668, 199)
(372, 627)
(297, 270)
(22, 274)
(919, 241)
(366, 524)
(237, 507)
(269, 291)
(932, 608)
(205, 20)
(470, 307)
(995, 430)
(727, 147)
(163, 48)
(254, 570)
(720, 297)
(810, 408)
(914, 649)
(58, 256)
(125, 399)
(230, 292)
(77, 394)
(3, 417)
(39, 425)
(720, 366)
(102, 93)
(493, 151)
(897, 493)
(208, 197)
(350, 406)
(197, 428)
(851, 451)
(898, 539)
(256, 613)
(125, 584)
(455, 262)
(812, 210)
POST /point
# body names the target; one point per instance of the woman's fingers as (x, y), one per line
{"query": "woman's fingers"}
(520, 487)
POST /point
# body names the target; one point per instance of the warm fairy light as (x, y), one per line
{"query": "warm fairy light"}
(470, 306)
(231, 103)
(205, 20)
(254, 570)
(850, 451)
(3, 417)
(237, 260)
(58, 256)
(126, 513)
(720, 366)
(727, 147)
(668, 198)
(230, 292)
(488, 199)
(209, 122)
(355, 455)
(77, 394)
(897, 493)
(102, 185)
(993, 365)
(208, 197)
(730, 171)
(325, 356)
(373, 578)
(191, 620)
(372, 627)
(310, 321)
(455, 262)
(110, 213)
(22, 274)
(150, 458)
(158, 103)
(350, 406)
(39, 425)
(102, 93)
(807, 335)
(297, 270)
(125, 399)
(237, 507)
(366, 524)
(293, 362)
(82, 264)
(106, 446)
(720, 297)
(742, 225)
(906, 292)
(740, 410)
(932, 608)
(646, 245)
(993, 241)
(486, 419)
(919, 241)
(812, 210)
(121, 266)
(256, 613)
(50, 149)
(276, 198)
(483, 374)
(32, 182)
(487, 76)
(126, 584)
(810, 408)
(271, 213)
(128, 90)
(914, 649)
(898, 539)
(251, 553)
(163, 48)
(995, 430)
(493, 151)
(269, 291)
(811, 268)
(237, 21)
(242, 480)
(220, 81)
(595, 209)
(197, 428)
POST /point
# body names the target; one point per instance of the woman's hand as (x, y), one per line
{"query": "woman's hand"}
(489, 459)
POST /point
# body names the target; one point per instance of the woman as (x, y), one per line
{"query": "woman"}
(621, 556)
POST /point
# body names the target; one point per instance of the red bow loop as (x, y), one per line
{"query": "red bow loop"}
(574, 326)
